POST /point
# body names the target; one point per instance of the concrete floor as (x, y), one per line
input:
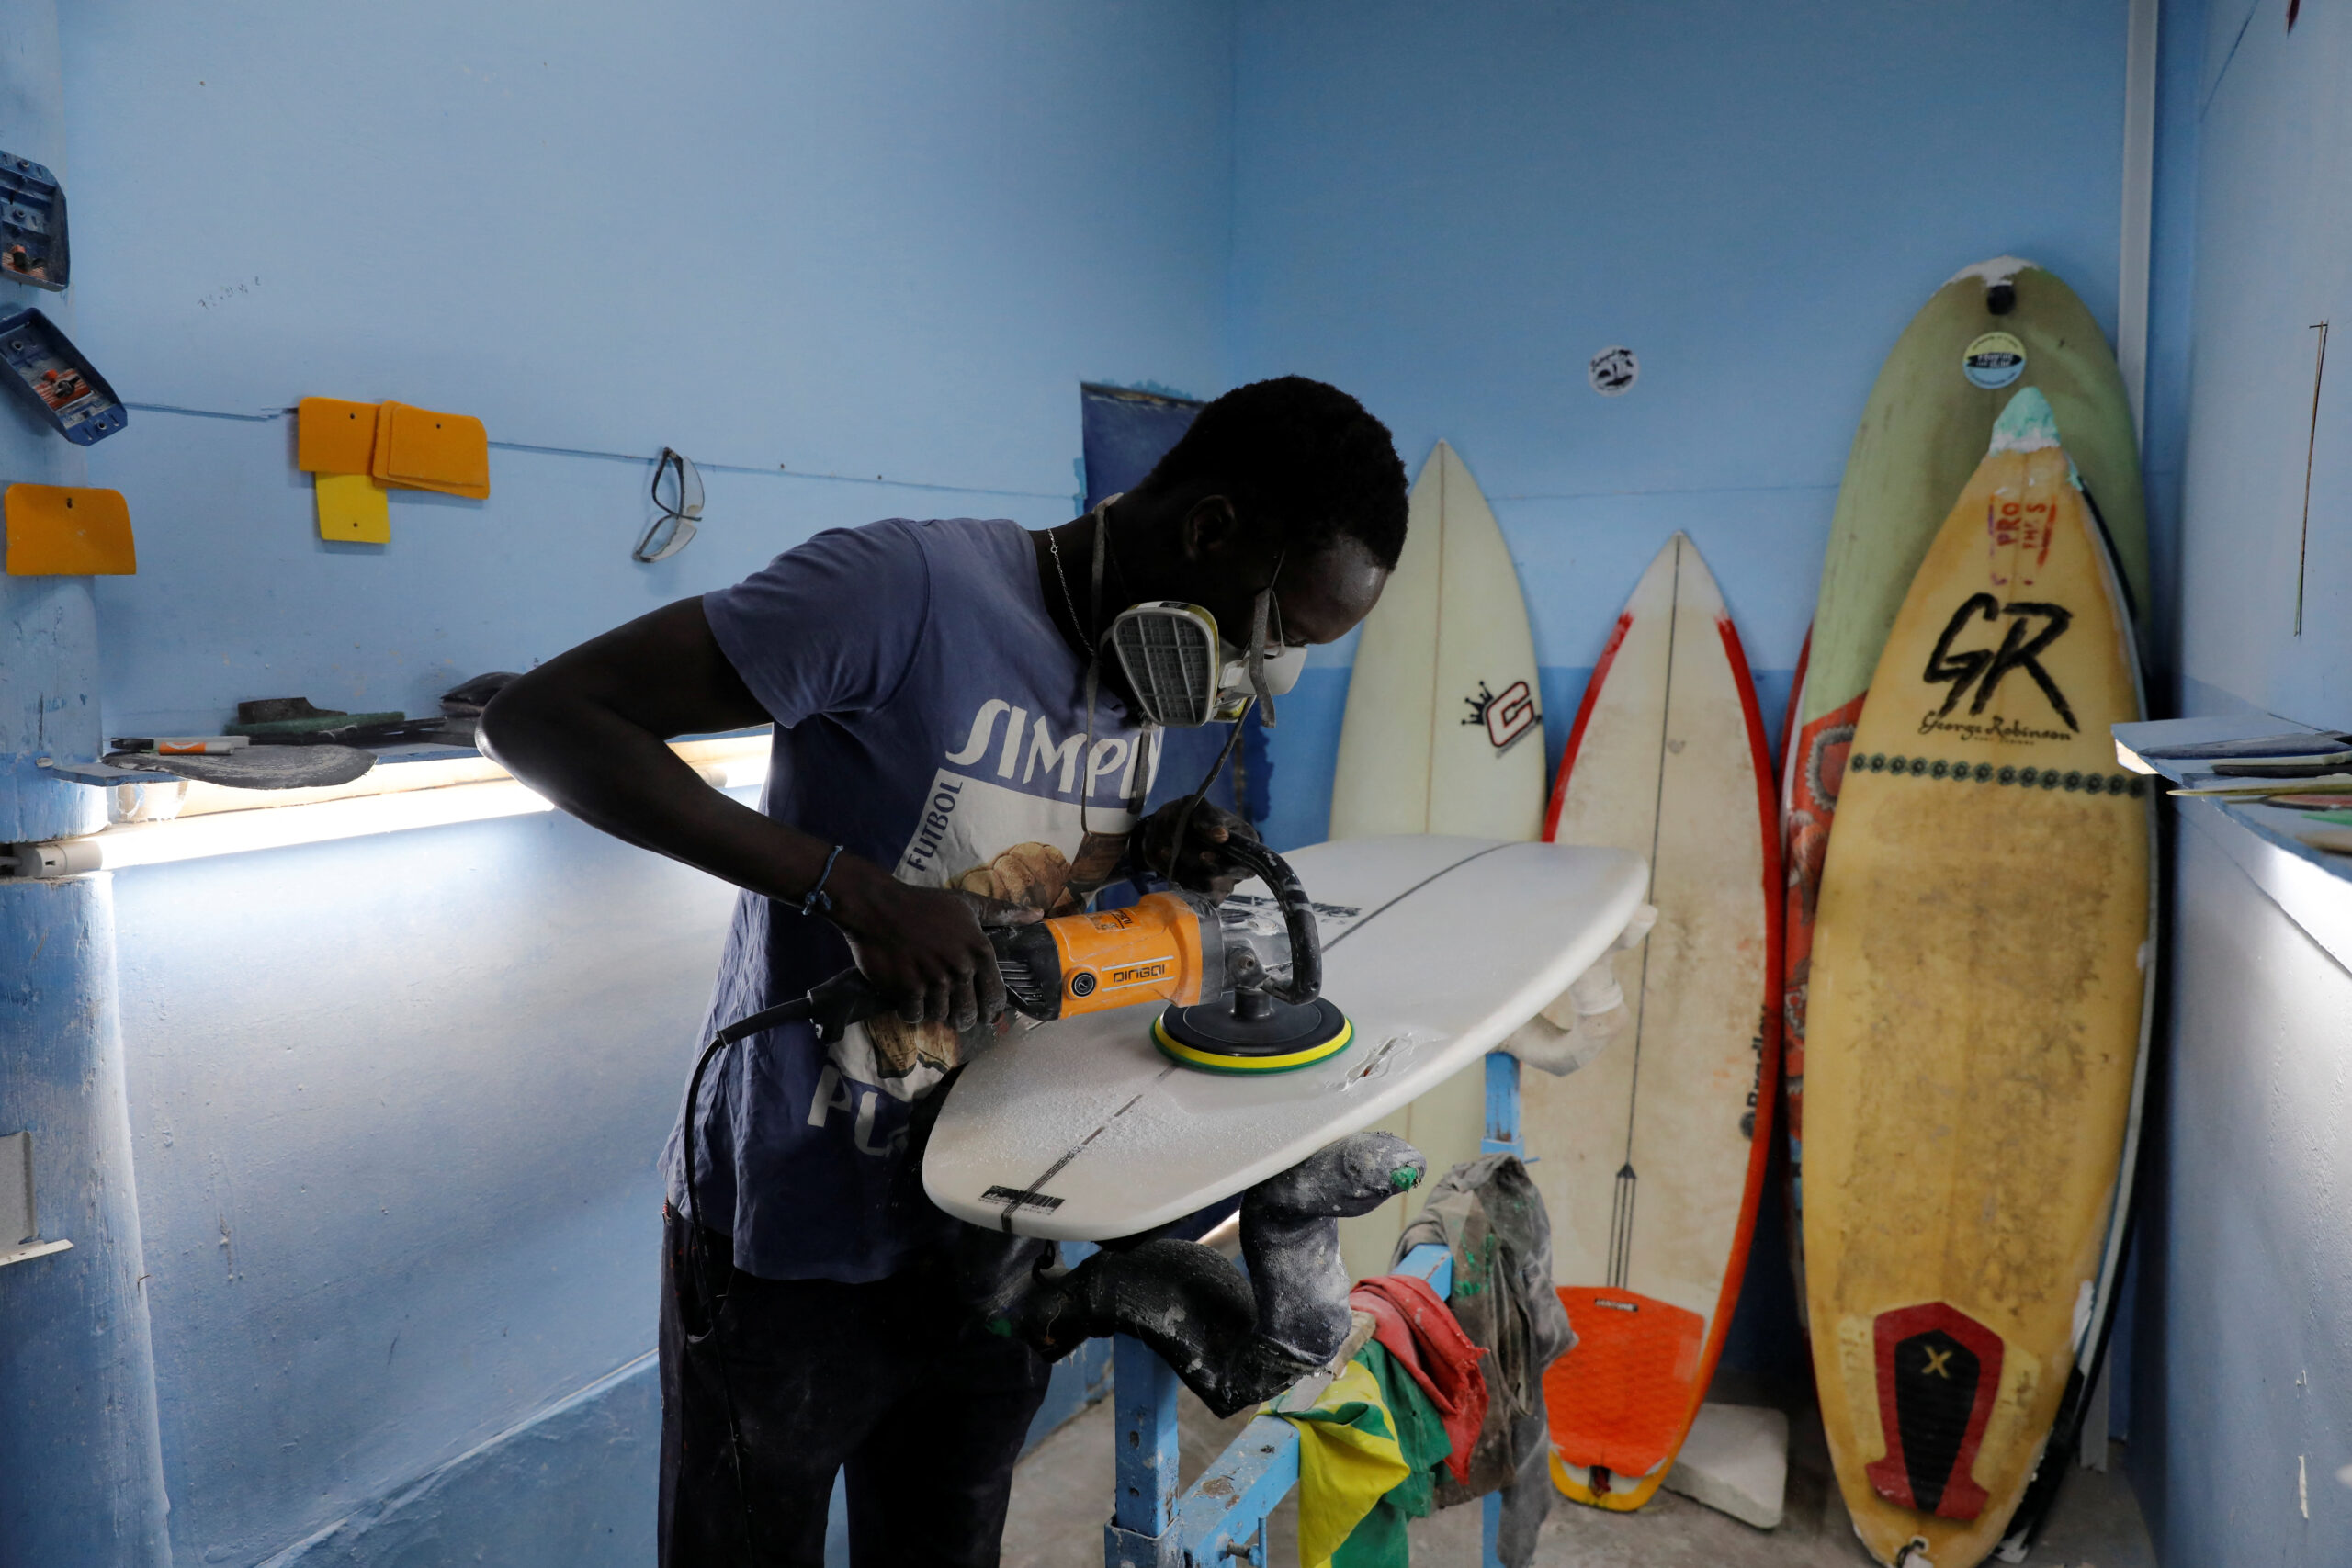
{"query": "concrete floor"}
(1061, 1495)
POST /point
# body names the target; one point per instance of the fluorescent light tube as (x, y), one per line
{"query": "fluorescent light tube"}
(236, 832)
(743, 772)
(229, 832)
(269, 827)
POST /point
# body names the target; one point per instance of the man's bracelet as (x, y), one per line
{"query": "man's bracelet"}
(820, 901)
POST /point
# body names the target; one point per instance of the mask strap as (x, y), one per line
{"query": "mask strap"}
(1261, 613)
(1094, 664)
(1147, 765)
(1184, 817)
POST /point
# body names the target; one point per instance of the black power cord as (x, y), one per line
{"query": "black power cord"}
(847, 999)
(832, 1007)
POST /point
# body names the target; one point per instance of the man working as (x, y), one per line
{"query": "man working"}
(929, 684)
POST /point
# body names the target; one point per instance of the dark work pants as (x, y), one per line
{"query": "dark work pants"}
(892, 1379)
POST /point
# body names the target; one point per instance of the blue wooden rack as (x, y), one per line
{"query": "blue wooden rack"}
(1220, 1520)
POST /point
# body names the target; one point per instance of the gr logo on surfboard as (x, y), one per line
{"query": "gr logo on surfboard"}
(1507, 714)
(2032, 628)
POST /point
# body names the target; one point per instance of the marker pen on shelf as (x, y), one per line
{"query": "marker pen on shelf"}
(182, 745)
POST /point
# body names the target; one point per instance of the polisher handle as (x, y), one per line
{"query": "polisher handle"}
(833, 1006)
(1298, 916)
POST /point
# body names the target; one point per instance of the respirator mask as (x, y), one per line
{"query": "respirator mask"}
(1184, 674)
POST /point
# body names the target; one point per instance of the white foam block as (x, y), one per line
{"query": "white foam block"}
(1735, 1460)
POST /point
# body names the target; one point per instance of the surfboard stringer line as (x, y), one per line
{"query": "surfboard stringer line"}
(1034, 1191)
(1767, 1071)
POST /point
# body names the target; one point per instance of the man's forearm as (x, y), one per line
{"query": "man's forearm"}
(615, 774)
(590, 730)
(624, 780)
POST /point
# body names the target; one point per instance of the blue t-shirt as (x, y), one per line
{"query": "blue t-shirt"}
(930, 717)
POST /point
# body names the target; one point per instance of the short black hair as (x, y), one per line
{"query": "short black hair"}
(1300, 454)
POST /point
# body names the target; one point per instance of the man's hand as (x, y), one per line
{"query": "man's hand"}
(1203, 866)
(586, 730)
(923, 948)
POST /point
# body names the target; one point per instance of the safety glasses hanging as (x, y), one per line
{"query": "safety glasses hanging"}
(677, 500)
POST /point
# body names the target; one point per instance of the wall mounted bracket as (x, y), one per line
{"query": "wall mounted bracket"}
(33, 246)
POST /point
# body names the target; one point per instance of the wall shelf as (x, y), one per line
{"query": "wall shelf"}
(2311, 886)
(25, 1252)
(198, 820)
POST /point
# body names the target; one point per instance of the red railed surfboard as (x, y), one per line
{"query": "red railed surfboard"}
(1653, 1154)
(1805, 833)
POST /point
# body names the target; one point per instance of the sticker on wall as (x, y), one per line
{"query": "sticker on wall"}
(1993, 361)
(1614, 371)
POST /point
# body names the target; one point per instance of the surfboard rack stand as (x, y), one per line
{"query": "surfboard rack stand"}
(1221, 1518)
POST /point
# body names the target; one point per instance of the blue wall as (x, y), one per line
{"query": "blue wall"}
(2240, 1416)
(881, 241)
(1449, 210)
(395, 1102)
(81, 1473)
(2271, 229)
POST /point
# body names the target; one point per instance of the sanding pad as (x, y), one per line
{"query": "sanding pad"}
(1210, 1036)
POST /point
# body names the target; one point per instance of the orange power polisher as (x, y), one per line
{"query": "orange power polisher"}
(1238, 997)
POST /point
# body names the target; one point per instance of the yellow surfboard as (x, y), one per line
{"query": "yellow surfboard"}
(1979, 986)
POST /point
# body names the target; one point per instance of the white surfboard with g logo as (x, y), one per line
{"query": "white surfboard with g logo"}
(1444, 734)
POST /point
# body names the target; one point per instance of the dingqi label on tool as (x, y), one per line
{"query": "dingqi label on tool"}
(1993, 361)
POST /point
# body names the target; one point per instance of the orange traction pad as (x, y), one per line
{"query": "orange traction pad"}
(1621, 1397)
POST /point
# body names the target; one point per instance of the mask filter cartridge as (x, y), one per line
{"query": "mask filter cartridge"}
(1172, 658)
(1184, 674)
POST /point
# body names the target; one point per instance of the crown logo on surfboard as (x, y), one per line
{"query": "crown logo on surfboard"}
(1507, 714)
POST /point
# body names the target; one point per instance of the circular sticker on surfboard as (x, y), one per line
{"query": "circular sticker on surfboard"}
(1614, 371)
(1993, 361)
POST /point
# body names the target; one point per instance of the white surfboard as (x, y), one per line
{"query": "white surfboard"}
(1651, 1157)
(1443, 734)
(1435, 948)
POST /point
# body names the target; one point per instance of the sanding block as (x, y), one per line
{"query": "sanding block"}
(299, 716)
